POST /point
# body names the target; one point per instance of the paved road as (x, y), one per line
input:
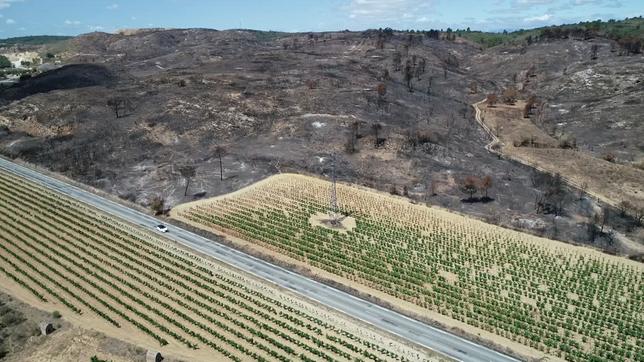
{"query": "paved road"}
(418, 332)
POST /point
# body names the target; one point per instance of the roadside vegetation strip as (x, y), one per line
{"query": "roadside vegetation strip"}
(160, 289)
(566, 301)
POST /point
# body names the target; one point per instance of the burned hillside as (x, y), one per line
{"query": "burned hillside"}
(394, 107)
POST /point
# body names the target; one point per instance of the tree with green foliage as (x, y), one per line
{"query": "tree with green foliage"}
(96, 359)
(33, 40)
(4, 62)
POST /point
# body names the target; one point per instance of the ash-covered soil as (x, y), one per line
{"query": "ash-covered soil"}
(67, 77)
(285, 102)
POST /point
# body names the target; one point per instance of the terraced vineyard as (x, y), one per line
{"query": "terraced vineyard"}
(90, 266)
(568, 302)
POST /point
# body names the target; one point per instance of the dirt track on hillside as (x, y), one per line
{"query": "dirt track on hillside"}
(604, 181)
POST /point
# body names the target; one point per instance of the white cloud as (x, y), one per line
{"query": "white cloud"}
(7, 3)
(386, 9)
(10, 21)
(521, 5)
(544, 17)
(95, 27)
(530, 3)
(587, 2)
(72, 22)
(112, 7)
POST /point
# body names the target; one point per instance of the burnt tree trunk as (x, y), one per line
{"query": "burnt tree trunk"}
(221, 169)
(185, 193)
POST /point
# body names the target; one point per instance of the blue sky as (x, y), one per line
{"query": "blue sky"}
(71, 17)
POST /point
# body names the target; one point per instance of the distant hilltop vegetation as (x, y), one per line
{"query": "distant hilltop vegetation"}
(625, 32)
(33, 40)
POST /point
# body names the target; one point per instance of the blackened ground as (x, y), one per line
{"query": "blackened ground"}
(285, 102)
(67, 77)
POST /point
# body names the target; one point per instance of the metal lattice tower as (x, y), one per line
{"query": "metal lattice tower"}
(333, 209)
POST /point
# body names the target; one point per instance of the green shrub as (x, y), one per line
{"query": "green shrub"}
(4, 62)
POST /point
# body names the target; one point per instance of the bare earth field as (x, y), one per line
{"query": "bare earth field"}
(110, 277)
(535, 296)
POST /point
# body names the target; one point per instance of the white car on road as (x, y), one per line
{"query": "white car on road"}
(162, 228)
